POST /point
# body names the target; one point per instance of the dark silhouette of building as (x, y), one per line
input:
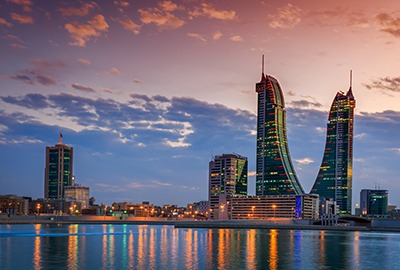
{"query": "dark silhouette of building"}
(334, 180)
(275, 174)
(58, 171)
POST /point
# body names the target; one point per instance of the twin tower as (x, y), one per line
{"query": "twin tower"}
(275, 174)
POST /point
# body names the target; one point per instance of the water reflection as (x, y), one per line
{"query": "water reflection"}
(163, 247)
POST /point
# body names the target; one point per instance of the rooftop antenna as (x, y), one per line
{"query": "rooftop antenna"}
(351, 78)
(60, 139)
(262, 67)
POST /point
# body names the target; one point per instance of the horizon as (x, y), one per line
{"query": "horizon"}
(147, 92)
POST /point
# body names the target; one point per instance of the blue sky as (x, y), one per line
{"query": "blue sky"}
(147, 91)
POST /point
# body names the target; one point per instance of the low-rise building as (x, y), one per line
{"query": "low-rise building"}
(14, 205)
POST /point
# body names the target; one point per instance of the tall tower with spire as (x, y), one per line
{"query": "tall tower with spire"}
(334, 180)
(275, 174)
(58, 171)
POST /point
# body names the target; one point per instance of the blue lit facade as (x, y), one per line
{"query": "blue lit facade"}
(275, 174)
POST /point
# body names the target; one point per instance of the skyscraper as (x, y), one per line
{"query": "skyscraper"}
(374, 202)
(227, 176)
(334, 180)
(58, 171)
(275, 174)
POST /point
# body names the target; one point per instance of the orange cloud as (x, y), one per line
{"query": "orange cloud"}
(286, 18)
(389, 24)
(24, 19)
(82, 33)
(217, 35)
(162, 17)
(4, 22)
(83, 11)
(212, 13)
(130, 26)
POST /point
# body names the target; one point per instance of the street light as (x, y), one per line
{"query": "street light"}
(274, 207)
(38, 208)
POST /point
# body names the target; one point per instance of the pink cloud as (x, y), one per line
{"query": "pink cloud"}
(84, 32)
(4, 22)
(236, 38)
(81, 12)
(197, 36)
(24, 19)
(217, 35)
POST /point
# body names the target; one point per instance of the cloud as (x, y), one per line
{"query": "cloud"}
(83, 88)
(217, 35)
(22, 140)
(389, 23)
(80, 12)
(385, 84)
(360, 135)
(32, 77)
(5, 23)
(45, 79)
(137, 81)
(41, 64)
(26, 4)
(304, 161)
(197, 36)
(17, 45)
(162, 17)
(113, 71)
(23, 19)
(236, 38)
(211, 12)
(252, 173)
(305, 104)
(338, 17)
(130, 26)
(121, 5)
(287, 17)
(84, 61)
(84, 32)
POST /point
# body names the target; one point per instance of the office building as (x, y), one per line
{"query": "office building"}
(77, 193)
(334, 180)
(275, 174)
(58, 171)
(227, 175)
(303, 206)
(374, 202)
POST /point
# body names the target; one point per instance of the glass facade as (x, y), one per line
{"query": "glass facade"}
(58, 172)
(275, 174)
(334, 180)
(227, 176)
(374, 202)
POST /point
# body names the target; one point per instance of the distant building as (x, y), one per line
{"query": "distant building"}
(266, 207)
(54, 206)
(58, 171)
(374, 202)
(227, 175)
(77, 193)
(275, 174)
(334, 180)
(14, 205)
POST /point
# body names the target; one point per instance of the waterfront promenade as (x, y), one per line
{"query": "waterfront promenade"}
(282, 224)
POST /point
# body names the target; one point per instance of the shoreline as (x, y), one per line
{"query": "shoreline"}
(205, 224)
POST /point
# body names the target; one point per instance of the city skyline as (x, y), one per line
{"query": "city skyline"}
(146, 92)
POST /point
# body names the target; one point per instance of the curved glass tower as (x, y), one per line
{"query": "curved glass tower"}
(275, 173)
(334, 180)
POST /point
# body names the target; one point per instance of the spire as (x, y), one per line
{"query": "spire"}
(262, 69)
(60, 139)
(350, 92)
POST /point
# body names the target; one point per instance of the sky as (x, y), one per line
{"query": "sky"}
(148, 91)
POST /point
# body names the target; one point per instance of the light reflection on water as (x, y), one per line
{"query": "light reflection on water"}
(163, 247)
